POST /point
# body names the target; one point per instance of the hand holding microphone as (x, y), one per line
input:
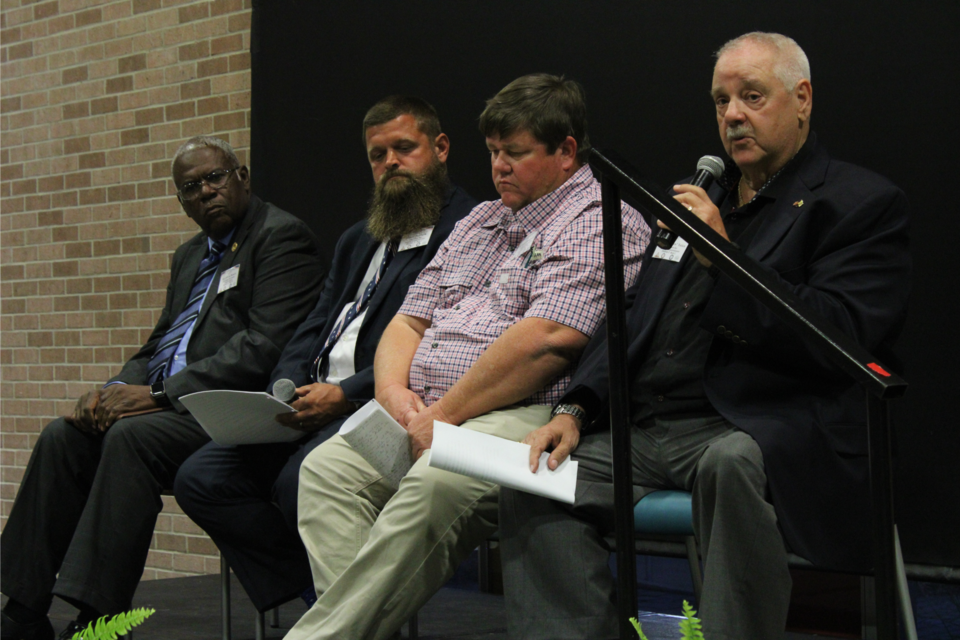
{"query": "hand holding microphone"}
(709, 168)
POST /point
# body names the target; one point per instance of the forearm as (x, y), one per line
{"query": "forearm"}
(519, 363)
(398, 345)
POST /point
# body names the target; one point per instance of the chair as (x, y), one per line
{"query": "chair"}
(259, 621)
(669, 513)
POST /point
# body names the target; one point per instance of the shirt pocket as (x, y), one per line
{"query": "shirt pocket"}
(513, 285)
(453, 288)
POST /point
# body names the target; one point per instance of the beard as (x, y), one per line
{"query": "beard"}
(406, 203)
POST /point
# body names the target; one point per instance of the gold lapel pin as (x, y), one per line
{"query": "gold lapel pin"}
(234, 247)
(798, 204)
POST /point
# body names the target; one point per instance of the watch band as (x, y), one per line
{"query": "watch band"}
(159, 394)
(570, 409)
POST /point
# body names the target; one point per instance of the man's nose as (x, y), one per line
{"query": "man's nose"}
(393, 160)
(734, 112)
(206, 191)
(499, 164)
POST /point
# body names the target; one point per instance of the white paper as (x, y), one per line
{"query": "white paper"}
(228, 279)
(240, 417)
(380, 440)
(674, 253)
(415, 239)
(504, 462)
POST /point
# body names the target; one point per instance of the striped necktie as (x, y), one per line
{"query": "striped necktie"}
(157, 367)
(353, 311)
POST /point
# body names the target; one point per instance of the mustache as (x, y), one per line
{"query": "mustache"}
(739, 131)
(396, 173)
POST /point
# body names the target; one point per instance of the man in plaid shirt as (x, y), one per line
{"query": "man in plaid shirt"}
(486, 339)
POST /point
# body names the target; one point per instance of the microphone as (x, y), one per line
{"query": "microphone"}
(284, 390)
(709, 168)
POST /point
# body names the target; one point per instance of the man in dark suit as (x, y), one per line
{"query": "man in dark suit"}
(245, 497)
(82, 522)
(726, 401)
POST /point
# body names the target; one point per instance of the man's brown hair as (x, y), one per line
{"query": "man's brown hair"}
(395, 106)
(549, 107)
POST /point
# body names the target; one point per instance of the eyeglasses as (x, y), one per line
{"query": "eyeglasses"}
(215, 180)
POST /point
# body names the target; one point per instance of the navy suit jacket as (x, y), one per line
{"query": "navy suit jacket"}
(239, 335)
(836, 235)
(354, 251)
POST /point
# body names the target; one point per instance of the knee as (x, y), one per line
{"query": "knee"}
(730, 461)
(58, 434)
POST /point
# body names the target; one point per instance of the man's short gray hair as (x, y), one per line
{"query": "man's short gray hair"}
(792, 65)
(199, 142)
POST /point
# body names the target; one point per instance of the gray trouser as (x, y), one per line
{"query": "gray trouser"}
(555, 570)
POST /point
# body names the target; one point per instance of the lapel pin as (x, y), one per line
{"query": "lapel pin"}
(798, 204)
(234, 247)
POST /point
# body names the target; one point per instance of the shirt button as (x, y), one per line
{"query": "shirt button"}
(426, 389)
(487, 283)
(434, 345)
(176, 357)
(686, 305)
(670, 352)
(660, 398)
(456, 308)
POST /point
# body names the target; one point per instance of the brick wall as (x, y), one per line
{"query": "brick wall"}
(95, 97)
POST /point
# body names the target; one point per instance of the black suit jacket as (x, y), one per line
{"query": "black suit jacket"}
(240, 333)
(836, 235)
(350, 261)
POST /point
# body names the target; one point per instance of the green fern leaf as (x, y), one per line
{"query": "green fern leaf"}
(690, 628)
(636, 625)
(120, 624)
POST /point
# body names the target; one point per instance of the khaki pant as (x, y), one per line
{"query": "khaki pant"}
(377, 555)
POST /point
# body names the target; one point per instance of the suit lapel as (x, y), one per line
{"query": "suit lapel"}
(790, 203)
(658, 280)
(230, 255)
(186, 276)
(397, 266)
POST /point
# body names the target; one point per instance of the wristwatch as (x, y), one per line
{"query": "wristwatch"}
(158, 394)
(570, 409)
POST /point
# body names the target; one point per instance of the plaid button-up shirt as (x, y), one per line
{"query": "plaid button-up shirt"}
(498, 267)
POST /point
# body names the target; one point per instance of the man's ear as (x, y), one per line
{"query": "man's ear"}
(568, 153)
(243, 175)
(804, 93)
(441, 147)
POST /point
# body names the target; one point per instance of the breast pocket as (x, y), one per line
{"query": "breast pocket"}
(453, 289)
(513, 287)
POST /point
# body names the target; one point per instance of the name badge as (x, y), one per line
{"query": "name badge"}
(415, 239)
(228, 279)
(674, 253)
(524, 246)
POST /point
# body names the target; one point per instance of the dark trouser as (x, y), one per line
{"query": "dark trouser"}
(245, 498)
(555, 570)
(87, 507)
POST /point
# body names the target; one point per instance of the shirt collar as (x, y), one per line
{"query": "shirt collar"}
(731, 174)
(225, 242)
(539, 211)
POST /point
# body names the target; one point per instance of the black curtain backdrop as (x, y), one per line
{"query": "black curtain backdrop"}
(885, 97)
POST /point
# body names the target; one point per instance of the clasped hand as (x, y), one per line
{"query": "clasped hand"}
(408, 409)
(97, 410)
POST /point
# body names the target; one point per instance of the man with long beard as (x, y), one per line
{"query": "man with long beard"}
(245, 497)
